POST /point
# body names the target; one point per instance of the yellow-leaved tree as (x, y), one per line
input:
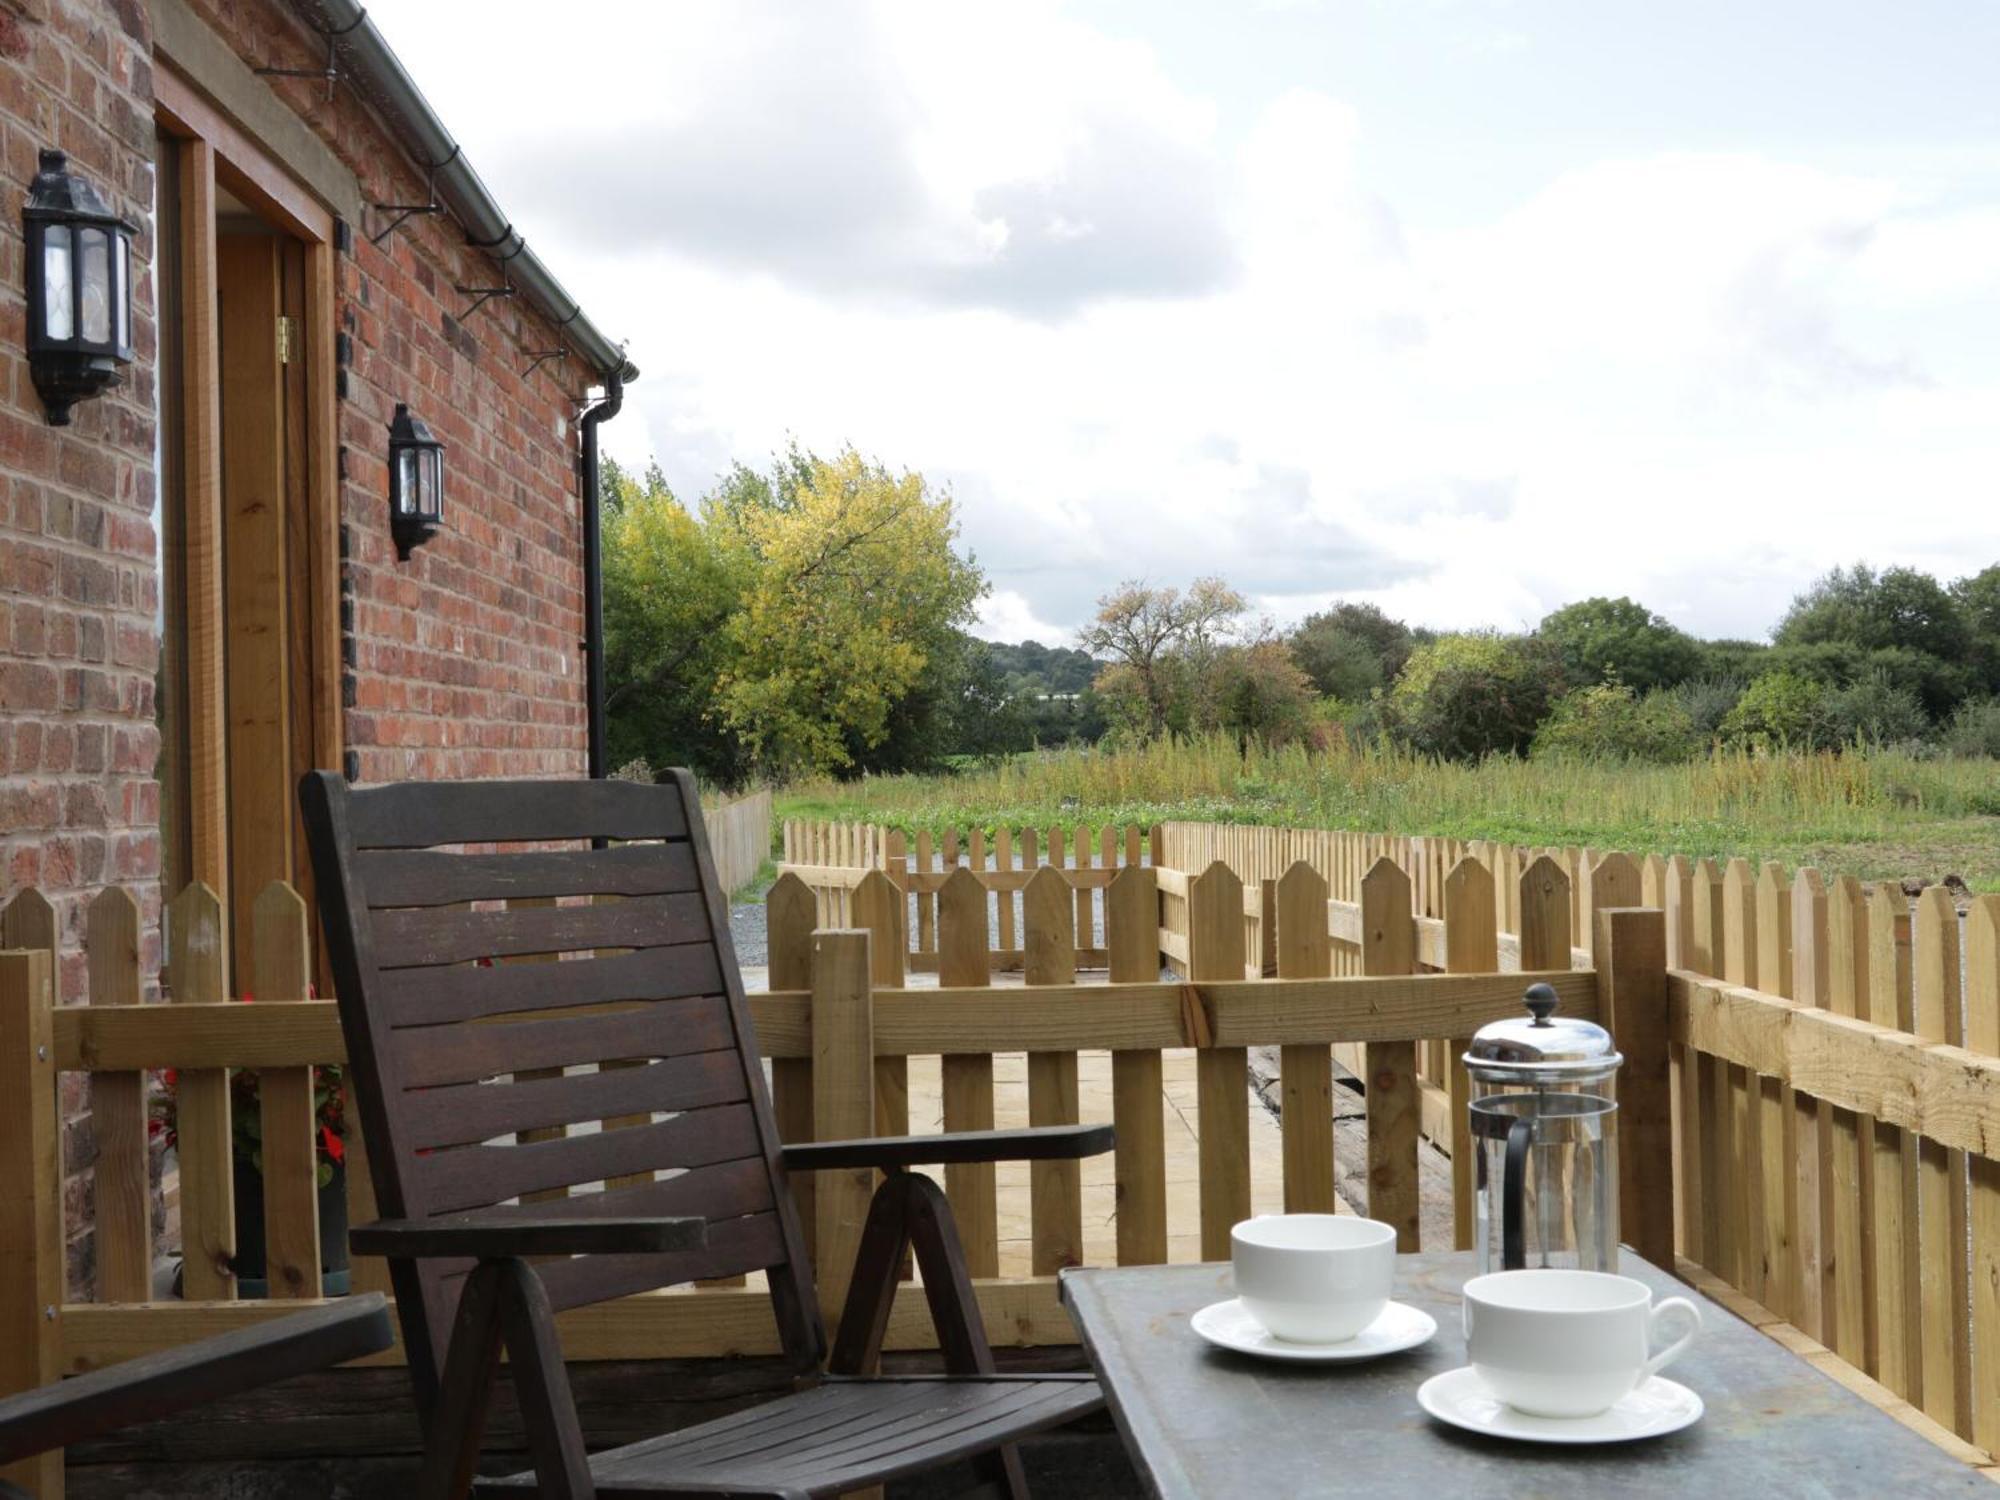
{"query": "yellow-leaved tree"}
(851, 587)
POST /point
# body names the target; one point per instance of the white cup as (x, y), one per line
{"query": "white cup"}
(1313, 1278)
(1567, 1343)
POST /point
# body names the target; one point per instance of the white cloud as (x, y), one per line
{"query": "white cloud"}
(1146, 328)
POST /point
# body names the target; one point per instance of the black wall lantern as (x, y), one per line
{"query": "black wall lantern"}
(79, 289)
(416, 482)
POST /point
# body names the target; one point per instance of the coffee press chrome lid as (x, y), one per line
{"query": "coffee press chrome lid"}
(1542, 1046)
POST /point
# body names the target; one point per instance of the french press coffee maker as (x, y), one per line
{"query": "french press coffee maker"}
(1544, 1132)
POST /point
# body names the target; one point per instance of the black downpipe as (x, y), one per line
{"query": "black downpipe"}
(593, 570)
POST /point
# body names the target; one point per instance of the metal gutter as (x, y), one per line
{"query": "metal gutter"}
(364, 59)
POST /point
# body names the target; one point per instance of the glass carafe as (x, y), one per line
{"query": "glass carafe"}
(1544, 1131)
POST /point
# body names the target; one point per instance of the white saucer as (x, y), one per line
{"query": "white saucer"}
(1228, 1325)
(1656, 1408)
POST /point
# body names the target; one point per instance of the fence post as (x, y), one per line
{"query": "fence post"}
(1222, 1074)
(1395, 1112)
(31, 1252)
(878, 909)
(1943, 1273)
(281, 966)
(197, 965)
(790, 910)
(843, 1062)
(1055, 1188)
(1296, 938)
(1471, 946)
(1813, 1123)
(1982, 1035)
(1631, 956)
(965, 958)
(1138, 1104)
(123, 1188)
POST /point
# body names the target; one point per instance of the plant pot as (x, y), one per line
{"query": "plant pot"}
(251, 1274)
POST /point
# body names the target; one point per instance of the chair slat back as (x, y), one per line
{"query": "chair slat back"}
(620, 1077)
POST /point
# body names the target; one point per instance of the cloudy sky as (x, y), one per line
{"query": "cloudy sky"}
(1467, 307)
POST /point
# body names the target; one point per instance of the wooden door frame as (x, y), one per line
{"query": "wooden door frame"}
(213, 150)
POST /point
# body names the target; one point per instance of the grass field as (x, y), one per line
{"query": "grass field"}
(1871, 815)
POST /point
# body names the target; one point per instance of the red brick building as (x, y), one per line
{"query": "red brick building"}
(199, 593)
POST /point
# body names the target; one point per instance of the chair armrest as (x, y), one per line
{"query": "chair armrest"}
(1042, 1143)
(483, 1237)
(158, 1385)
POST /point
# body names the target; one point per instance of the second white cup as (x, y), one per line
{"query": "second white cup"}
(1568, 1343)
(1313, 1278)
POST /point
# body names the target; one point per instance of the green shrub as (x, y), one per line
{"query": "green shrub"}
(1877, 710)
(1707, 702)
(1975, 728)
(1461, 697)
(1610, 720)
(1780, 710)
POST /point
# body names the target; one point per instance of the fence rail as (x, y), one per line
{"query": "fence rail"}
(1810, 1106)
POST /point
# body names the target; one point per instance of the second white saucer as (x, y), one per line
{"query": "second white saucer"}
(1658, 1407)
(1228, 1325)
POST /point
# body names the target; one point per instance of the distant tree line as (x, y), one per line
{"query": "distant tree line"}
(815, 619)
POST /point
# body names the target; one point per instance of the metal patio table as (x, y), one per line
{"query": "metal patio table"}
(1206, 1424)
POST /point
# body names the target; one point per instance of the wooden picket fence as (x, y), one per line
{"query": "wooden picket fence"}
(739, 837)
(1835, 1068)
(1810, 1107)
(831, 858)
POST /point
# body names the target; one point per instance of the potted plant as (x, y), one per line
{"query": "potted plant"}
(247, 1139)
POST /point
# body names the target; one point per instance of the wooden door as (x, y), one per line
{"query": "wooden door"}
(265, 637)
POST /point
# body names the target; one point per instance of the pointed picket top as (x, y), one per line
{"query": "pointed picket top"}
(197, 961)
(1889, 956)
(1937, 1012)
(1982, 976)
(1215, 924)
(1049, 932)
(1132, 925)
(281, 961)
(1809, 940)
(1653, 881)
(111, 947)
(1615, 882)
(1546, 940)
(1738, 961)
(1471, 924)
(877, 907)
(790, 914)
(28, 921)
(1304, 946)
(1847, 947)
(964, 942)
(1774, 931)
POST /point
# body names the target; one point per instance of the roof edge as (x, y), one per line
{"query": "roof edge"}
(423, 135)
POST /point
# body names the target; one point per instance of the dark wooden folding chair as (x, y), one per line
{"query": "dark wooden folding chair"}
(155, 1386)
(441, 1031)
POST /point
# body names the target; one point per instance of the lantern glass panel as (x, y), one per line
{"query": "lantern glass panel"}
(406, 482)
(58, 293)
(433, 471)
(121, 288)
(95, 254)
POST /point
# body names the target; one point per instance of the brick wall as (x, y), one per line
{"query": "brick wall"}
(79, 591)
(462, 662)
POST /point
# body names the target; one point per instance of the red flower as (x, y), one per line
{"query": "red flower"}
(336, 1148)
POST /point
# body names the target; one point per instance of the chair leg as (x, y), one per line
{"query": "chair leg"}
(541, 1384)
(933, 1234)
(871, 1293)
(458, 1420)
